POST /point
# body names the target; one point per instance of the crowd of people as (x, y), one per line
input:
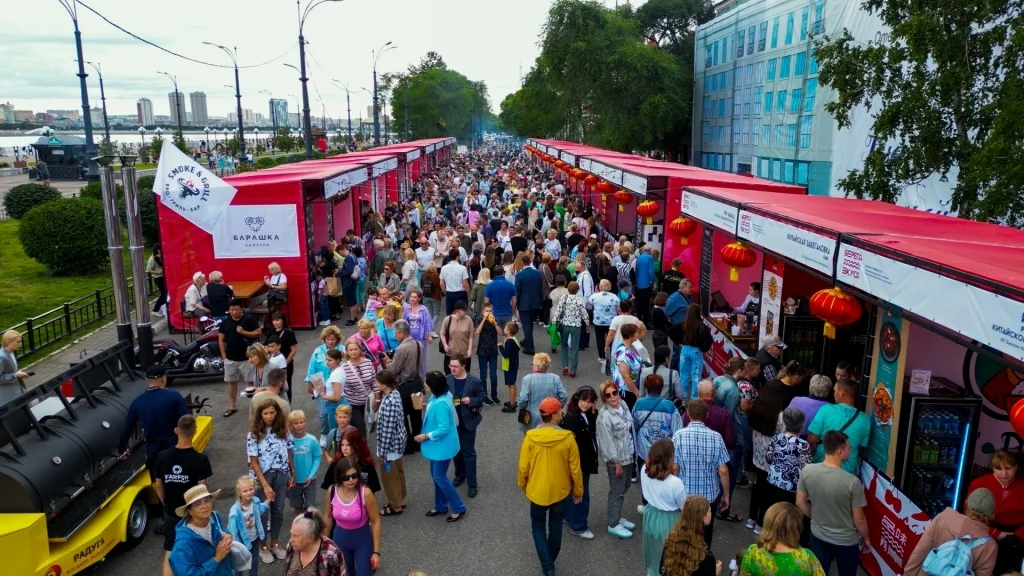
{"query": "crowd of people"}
(503, 246)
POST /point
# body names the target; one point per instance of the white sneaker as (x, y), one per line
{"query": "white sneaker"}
(325, 323)
(266, 556)
(620, 531)
(163, 310)
(757, 529)
(751, 524)
(279, 552)
(641, 509)
(626, 524)
(586, 534)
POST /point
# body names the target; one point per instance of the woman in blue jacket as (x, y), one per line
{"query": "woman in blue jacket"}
(331, 336)
(440, 443)
(201, 545)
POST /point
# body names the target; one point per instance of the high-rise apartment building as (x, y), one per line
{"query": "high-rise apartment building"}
(200, 117)
(758, 106)
(7, 113)
(176, 105)
(279, 112)
(72, 115)
(144, 106)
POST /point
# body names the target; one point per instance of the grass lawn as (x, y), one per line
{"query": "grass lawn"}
(28, 289)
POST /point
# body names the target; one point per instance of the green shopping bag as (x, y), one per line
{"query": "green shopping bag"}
(553, 334)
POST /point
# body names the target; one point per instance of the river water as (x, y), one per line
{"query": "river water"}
(132, 138)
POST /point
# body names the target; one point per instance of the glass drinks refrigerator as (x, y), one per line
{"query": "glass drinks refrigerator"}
(937, 432)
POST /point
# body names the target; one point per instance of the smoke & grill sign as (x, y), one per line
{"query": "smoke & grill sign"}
(190, 190)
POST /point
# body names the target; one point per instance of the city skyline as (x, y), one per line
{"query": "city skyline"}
(39, 67)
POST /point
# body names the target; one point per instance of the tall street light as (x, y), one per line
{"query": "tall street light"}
(233, 54)
(348, 105)
(103, 98)
(376, 112)
(90, 147)
(302, 14)
(177, 100)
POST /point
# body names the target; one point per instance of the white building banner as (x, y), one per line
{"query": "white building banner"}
(709, 211)
(801, 246)
(343, 182)
(978, 314)
(190, 190)
(257, 231)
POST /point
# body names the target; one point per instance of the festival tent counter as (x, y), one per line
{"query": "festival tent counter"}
(410, 158)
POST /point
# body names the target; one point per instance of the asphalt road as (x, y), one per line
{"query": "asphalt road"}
(494, 538)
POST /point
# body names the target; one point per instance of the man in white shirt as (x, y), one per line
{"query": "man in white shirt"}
(424, 255)
(454, 281)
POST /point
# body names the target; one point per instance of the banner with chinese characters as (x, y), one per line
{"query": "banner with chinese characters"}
(771, 298)
(722, 350)
(896, 525)
(889, 356)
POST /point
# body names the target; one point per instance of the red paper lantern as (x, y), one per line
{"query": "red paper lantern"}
(1017, 417)
(647, 209)
(836, 308)
(682, 227)
(590, 180)
(605, 187)
(737, 256)
(622, 198)
(559, 165)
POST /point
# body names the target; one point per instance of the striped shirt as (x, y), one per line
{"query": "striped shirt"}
(360, 381)
(699, 452)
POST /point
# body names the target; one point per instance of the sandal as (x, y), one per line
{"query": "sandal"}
(229, 412)
(728, 517)
(434, 513)
(389, 511)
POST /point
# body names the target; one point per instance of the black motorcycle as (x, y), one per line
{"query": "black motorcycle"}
(200, 359)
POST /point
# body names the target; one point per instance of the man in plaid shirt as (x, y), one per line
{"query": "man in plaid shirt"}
(702, 459)
(391, 438)
(718, 418)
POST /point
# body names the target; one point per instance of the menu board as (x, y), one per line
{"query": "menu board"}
(771, 298)
(707, 254)
(889, 357)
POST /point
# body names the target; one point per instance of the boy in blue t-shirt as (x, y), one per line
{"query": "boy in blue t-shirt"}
(307, 462)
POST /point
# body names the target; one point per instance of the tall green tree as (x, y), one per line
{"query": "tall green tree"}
(946, 92)
(441, 101)
(616, 78)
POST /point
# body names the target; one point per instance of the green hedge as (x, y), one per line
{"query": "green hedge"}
(93, 191)
(146, 182)
(264, 163)
(66, 235)
(22, 198)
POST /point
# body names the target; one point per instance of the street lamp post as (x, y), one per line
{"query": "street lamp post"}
(103, 98)
(348, 106)
(207, 130)
(233, 54)
(408, 134)
(256, 137)
(302, 14)
(376, 113)
(90, 146)
(142, 136)
(177, 100)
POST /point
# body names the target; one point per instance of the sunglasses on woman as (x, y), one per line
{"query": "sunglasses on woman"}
(610, 394)
(348, 477)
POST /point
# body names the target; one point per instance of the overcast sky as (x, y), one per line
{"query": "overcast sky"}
(483, 39)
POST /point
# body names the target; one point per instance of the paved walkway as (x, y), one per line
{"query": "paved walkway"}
(495, 537)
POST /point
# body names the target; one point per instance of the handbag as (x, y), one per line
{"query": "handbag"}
(524, 413)
(333, 286)
(239, 556)
(553, 334)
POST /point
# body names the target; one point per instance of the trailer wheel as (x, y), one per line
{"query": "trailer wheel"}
(135, 526)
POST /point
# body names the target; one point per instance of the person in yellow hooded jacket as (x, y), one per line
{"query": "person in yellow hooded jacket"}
(549, 468)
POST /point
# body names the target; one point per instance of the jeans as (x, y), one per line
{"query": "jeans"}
(546, 524)
(578, 513)
(643, 303)
(735, 465)
(450, 298)
(691, 366)
(445, 495)
(527, 317)
(434, 309)
(617, 488)
(356, 546)
(254, 549)
(570, 347)
(676, 350)
(465, 459)
(500, 322)
(325, 310)
(278, 482)
(600, 333)
(709, 530)
(847, 557)
(585, 337)
(491, 361)
(161, 285)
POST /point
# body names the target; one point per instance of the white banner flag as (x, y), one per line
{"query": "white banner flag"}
(257, 231)
(191, 190)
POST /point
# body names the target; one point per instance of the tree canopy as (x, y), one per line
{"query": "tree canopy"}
(616, 78)
(442, 102)
(947, 91)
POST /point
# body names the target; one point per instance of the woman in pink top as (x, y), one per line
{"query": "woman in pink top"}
(353, 519)
(371, 341)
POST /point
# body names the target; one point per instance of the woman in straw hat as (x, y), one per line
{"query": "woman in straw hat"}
(200, 537)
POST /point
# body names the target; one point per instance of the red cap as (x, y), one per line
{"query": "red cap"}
(549, 406)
